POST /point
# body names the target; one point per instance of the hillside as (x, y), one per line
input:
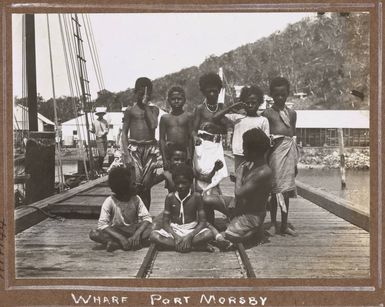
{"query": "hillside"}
(324, 57)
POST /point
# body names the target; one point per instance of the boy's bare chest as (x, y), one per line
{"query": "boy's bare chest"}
(248, 174)
(277, 126)
(137, 113)
(178, 121)
(208, 115)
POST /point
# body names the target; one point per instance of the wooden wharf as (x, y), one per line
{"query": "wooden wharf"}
(327, 246)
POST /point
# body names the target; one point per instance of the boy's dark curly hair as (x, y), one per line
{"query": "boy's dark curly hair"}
(177, 89)
(210, 79)
(119, 180)
(279, 81)
(256, 140)
(143, 82)
(247, 91)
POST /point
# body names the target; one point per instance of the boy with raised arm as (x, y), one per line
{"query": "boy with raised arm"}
(124, 221)
(184, 220)
(141, 149)
(251, 99)
(175, 128)
(283, 157)
(207, 134)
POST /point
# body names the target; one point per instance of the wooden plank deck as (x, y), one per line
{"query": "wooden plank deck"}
(327, 247)
(170, 264)
(54, 249)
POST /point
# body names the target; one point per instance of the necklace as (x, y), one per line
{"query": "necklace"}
(208, 109)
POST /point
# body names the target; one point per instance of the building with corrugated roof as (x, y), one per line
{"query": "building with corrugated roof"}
(317, 128)
(74, 129)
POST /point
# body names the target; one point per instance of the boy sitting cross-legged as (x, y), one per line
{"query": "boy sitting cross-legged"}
(124, 221)
(184, 220)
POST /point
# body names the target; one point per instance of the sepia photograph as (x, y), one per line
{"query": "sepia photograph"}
(115, 114)
(182, 147)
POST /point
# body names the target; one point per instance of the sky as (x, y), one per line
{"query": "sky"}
(142, 44)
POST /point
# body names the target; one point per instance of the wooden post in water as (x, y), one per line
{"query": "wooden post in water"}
(40, 148)
(40, 165)
(342, 157)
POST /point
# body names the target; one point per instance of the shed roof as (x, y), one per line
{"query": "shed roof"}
(333, 119)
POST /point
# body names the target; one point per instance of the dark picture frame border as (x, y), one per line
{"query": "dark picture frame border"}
(362, 292)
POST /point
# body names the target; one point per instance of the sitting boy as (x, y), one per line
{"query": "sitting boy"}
(124, 221)
(252, 188)
(178, 155)
(181, 229)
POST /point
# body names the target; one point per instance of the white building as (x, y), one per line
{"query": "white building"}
(75, 129)
(319, 127)
(21, 122)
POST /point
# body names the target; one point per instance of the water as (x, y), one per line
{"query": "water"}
(69, 167)
(357, 184)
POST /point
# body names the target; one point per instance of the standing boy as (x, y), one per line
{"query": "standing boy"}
(283, 156)
(100, 129)
(184, 220)
(141, 149)
(207, 134)
(175, 128)
(250, 100)
(124, 221)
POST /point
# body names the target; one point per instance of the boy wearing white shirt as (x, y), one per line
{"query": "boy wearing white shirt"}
(250, 100)
(184, 219)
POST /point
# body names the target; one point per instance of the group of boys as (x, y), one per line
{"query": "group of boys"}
(191, 154)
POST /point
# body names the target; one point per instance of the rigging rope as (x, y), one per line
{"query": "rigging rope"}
(90, 47)
(60, 166)
(72, 54)
(95, 50)
(72, 97)
(84, 82)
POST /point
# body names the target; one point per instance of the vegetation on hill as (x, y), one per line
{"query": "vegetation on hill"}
(325, 57)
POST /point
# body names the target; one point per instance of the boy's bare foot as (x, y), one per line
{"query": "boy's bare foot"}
(273, 230)
(222, 243)
(289, 231)
(99, 247)
(204, 248)
(112, 246)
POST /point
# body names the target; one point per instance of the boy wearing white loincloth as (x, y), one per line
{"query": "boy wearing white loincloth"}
(208, 135)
